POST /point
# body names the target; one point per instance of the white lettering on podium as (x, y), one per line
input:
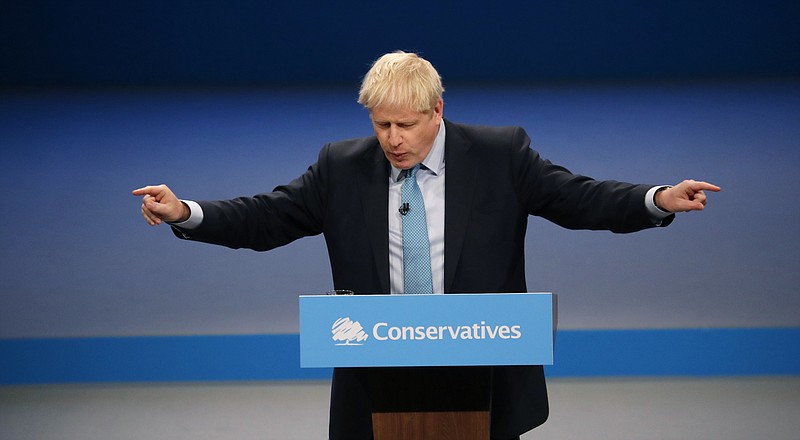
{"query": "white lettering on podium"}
(382, 331)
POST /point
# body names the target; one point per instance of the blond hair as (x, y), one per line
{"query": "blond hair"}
(401, 80)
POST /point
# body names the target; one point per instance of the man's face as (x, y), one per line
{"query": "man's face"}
(406, 136)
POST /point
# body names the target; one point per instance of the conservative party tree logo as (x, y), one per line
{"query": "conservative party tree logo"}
(347, 332)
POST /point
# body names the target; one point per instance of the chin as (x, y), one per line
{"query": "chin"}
(400, 164)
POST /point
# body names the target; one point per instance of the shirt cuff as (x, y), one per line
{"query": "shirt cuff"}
(656, 214)
(195, 216)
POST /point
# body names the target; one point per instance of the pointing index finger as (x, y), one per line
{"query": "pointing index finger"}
(704, 186)
(146, 190)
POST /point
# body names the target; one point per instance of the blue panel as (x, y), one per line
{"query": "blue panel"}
(153, 359)
(684, 352)
(426, 330)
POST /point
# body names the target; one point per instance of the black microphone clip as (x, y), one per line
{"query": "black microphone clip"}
(404, 208)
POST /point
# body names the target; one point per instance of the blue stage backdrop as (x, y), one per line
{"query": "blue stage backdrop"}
(245, 42)
(81, 270)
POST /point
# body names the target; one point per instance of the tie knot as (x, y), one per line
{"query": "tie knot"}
(412, 172)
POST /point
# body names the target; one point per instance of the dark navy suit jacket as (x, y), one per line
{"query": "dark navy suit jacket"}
(494, 182)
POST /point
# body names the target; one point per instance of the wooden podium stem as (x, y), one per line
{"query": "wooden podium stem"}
(444, 425)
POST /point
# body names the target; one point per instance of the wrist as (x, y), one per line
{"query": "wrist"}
(186, 212)
(657, 197)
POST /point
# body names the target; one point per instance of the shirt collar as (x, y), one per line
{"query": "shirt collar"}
(434, 161)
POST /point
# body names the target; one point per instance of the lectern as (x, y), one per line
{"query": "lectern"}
(429, 358)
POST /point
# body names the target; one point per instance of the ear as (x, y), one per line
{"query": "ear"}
(438, 110)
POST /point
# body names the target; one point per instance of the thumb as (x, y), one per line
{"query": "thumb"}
(689, 204)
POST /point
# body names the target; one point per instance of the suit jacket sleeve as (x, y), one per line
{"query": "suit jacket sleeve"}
(267, 220)
(575, 201)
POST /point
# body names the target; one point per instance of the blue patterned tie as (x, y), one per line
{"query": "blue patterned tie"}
(416, 247)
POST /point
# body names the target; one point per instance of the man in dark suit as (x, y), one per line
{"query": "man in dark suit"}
(476, 223)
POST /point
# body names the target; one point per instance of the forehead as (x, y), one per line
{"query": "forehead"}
(395, 114)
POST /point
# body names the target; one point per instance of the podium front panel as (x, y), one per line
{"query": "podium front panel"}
(426, 330)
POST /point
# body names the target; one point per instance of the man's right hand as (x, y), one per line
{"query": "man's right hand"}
(159, 204)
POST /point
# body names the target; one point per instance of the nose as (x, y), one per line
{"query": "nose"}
(394, 137)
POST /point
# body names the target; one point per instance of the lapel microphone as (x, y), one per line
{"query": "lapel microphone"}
(404, 208)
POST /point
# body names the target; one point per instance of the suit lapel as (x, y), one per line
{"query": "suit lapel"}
(374, 191)
(460, 171)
